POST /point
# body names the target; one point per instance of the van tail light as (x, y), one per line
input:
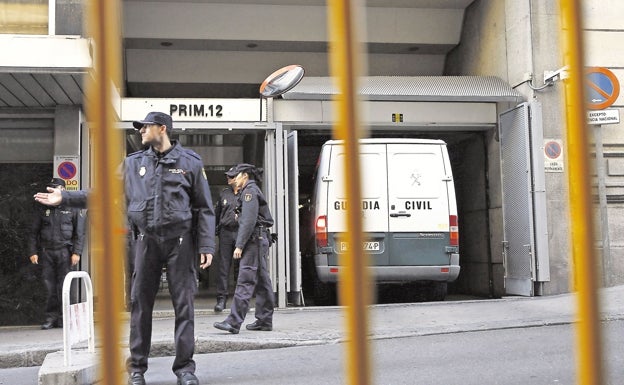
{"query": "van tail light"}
(321, 231)
(454, 230)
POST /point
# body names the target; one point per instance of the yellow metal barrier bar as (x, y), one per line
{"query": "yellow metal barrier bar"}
(108, 246)
(353, 285)
(582, 229)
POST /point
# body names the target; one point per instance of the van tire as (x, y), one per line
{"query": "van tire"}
(324, 293)
(436, 291)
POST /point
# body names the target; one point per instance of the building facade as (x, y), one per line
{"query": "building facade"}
(438, 58)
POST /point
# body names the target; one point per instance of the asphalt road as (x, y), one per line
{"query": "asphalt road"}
(534, 355)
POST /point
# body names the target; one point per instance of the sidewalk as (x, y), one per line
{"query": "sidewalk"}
(28, 346)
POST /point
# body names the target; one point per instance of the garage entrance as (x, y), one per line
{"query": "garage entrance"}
(462, 111)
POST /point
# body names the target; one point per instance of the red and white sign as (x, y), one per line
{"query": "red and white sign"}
(553, 155)
(67, 167)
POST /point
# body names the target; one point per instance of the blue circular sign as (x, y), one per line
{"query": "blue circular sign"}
(602, 88)
(66, 170)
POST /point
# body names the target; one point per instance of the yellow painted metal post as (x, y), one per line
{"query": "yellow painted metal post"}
(108, 246)
(346, 64)
(582, 229)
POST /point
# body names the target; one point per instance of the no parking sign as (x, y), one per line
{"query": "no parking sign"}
(602, 86)
(553, 155)
(67, 168)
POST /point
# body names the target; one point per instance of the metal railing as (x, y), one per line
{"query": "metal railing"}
(76, 321)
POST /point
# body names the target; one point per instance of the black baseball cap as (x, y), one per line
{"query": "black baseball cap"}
(232, 172)
(56, 182)
(155, 118)
(245, 167)
(251, 170)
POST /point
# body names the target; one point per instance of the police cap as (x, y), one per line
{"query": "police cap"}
(232, 172)
(56, 182)
(251, 170)
(155, 117)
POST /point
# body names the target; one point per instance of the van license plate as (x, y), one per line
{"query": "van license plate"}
(371, 246)
(366, 246)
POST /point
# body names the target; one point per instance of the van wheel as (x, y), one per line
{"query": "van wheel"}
(436, 291)
(324, 293)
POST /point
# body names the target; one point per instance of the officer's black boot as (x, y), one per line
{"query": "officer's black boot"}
(220, 304)
(136, 379)
(48, 324)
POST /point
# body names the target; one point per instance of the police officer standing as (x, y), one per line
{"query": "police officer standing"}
(166, 186)
(252, 247)
(227, 228)
(56, 242)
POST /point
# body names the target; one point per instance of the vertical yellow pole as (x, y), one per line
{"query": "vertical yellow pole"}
(354, 288)
(108, 246)
(582, 228)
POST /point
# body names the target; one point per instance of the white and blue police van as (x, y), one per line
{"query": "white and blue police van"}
(409, 215)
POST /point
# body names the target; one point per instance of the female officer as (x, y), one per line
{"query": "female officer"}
(252, 247)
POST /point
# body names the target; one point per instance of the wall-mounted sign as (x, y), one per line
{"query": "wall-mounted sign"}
(553, 155)
(195, 110)
(67, 167)
(608, 116)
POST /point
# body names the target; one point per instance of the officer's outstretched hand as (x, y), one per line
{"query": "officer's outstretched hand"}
(205, 260)
(34, 259)
(51, 198)
(238, 253)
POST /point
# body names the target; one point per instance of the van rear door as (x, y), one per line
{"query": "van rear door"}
(374, 203)
(418, 204)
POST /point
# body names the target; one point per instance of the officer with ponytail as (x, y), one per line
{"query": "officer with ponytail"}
(252, 248)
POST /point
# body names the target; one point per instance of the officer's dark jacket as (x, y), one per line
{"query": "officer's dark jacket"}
(57, 227)
(225, 210)
(163, 193)
(254, 213)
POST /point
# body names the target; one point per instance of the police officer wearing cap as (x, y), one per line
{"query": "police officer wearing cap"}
(227, 228)
(55, 242)
(252, 248)
(168, 200)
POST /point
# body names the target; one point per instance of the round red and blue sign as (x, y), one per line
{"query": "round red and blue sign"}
(67, 170)
(602, 88)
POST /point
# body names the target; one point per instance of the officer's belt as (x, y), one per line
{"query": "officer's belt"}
(261, 230)
(55, 247)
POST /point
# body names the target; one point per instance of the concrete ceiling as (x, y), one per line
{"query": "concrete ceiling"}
(218, 48)
(221, 48)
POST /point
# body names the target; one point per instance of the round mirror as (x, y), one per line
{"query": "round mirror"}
(282, 80)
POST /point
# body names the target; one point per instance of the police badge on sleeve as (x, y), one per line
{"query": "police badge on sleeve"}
(247, 197)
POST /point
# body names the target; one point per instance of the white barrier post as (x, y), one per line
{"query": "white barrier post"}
(67, 321)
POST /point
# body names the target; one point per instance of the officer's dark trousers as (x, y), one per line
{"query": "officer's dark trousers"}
(227, 240)
(55, 265)
(179, 259)
(253, 274)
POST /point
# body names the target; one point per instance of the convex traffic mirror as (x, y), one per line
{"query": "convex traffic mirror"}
(281, 81)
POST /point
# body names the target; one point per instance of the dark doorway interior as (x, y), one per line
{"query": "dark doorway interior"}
(22, 293)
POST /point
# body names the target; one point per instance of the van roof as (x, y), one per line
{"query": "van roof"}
(390, 140)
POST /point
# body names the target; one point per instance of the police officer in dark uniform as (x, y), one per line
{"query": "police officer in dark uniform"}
(166, 186)
(227, 228)
(252, 248)
(56, 242)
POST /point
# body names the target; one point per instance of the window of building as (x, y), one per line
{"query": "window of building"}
(24, 17)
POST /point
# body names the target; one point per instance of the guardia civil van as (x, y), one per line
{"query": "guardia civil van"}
(409, 214)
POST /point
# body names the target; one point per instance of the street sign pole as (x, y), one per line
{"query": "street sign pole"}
(602, 199)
